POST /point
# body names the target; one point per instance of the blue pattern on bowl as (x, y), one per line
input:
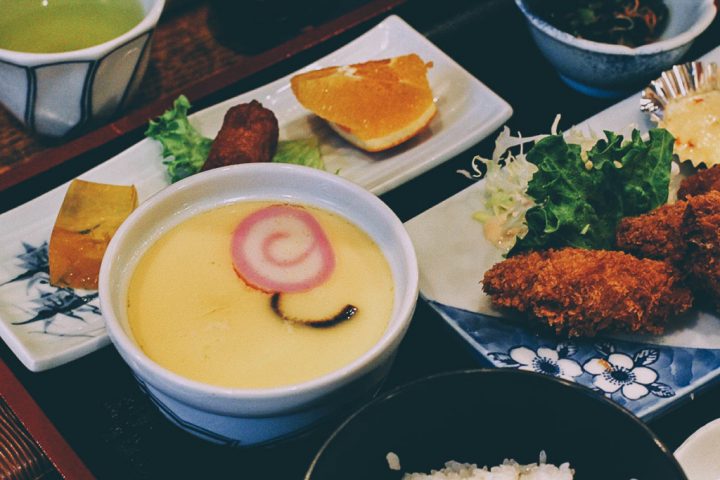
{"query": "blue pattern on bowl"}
(644, 378)
(100, 94)
(608, 70)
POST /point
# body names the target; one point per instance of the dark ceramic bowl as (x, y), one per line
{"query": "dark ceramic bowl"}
(486, 416)
(609, 70)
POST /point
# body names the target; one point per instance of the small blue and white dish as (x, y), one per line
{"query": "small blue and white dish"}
(612, 71)
(485, 416)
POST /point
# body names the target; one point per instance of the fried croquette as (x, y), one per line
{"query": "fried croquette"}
(584, 292)
(249, 134)
(702, 232)
(702, 182)
(657, 234)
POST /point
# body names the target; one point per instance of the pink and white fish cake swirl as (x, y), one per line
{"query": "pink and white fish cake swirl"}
(282, 249)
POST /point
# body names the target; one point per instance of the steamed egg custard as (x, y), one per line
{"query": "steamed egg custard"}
(260, 294)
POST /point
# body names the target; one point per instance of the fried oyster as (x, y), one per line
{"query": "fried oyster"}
(702, 232)
(584, 292)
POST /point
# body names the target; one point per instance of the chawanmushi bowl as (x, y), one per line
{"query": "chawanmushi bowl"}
(252, 416)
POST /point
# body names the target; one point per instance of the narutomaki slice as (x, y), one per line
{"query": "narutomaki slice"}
(282, 248)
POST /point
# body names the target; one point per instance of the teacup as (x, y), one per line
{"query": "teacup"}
(53, 94)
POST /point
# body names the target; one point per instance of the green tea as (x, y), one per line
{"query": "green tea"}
(51, 26)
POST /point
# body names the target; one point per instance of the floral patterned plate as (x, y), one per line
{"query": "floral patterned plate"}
(645, 374)
(47, 326)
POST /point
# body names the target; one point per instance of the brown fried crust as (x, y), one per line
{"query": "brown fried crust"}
(584, 292)
(702, 232)
(702, 182)
(510, 281)
(249, 134)
(657, 234)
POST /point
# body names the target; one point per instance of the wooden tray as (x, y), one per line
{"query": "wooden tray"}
(30, 445)
(199, 48)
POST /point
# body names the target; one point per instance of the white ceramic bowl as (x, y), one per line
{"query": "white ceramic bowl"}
(608, 70)
(54, 93)
(253, 416)
(699, 455)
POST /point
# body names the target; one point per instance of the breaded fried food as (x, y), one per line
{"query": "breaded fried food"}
(657, 234)
(585, 292)
(249, 134)
(702, 231)
(702, 182)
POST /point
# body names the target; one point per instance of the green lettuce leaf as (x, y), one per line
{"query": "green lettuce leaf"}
(579, 201)
(184, 149)
(305, 151)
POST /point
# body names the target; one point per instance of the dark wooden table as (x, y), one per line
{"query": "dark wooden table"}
(95, 403)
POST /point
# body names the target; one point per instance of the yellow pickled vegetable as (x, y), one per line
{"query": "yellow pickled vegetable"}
(88, 218)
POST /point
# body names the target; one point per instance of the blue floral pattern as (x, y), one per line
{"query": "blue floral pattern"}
(47, 305)
(550, 361)
(644, 378)
(630, 375)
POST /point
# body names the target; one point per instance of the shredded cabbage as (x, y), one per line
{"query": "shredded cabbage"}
(504, 199)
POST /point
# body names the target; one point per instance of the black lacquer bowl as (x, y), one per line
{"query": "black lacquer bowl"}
(486, 416)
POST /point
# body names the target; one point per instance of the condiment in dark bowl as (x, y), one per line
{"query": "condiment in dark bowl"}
(486, 416)
(605, 69)
(623, 22)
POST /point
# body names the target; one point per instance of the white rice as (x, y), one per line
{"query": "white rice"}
(509, 470)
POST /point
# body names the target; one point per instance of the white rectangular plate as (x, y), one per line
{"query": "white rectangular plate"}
(46, 326)
(645, 374)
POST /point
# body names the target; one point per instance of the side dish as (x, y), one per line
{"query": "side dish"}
(260, 295)
(581, 292)
(249, 134)
(374, 105)
(685, 100)
(685, 234)
(575, 203)
(571, 191)
(89, 216)
(695, 122)
(624, 22)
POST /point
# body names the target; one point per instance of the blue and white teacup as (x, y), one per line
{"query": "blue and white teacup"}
(55, 93)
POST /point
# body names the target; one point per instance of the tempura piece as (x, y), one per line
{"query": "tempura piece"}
(89, 216)
(585, 292)
(249, 134)
(702, 231)
(703, 181)
(657, 234)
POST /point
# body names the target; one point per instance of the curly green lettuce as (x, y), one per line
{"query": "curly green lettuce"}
(184, 149)
(579, 199)
(570, 189)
